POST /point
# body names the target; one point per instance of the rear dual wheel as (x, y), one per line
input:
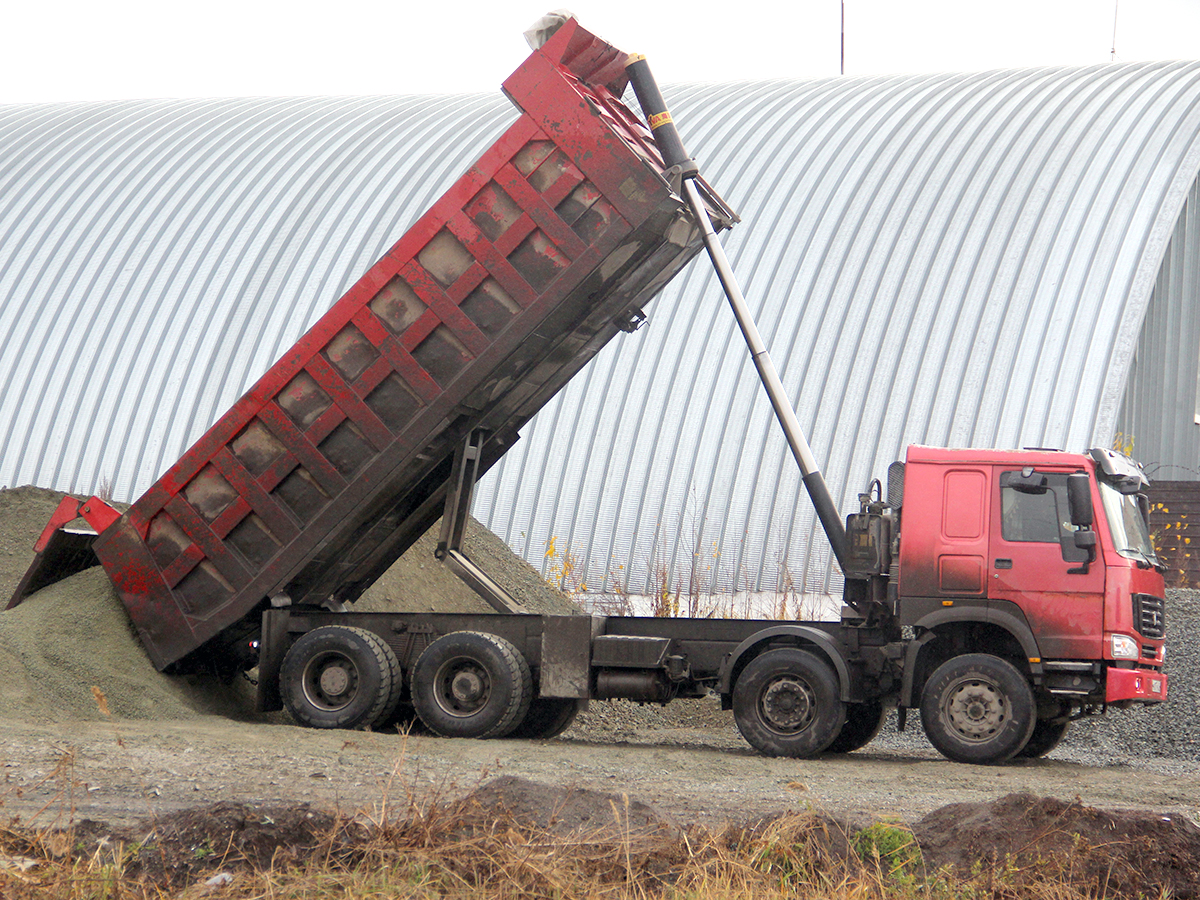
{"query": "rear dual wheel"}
(472, 684)
(548, 717)
(340, 677)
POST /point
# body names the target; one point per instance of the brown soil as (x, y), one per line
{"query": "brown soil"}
(1115, 853)
(1016, 842)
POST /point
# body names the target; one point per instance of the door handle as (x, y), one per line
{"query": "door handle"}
(1004, 564)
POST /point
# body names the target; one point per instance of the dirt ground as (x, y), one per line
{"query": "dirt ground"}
(124, 771)
(211, 781)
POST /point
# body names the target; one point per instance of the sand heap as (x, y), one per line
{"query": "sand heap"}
(73, 639)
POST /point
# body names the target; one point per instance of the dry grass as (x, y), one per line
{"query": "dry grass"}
(456, 850)
(473, 849)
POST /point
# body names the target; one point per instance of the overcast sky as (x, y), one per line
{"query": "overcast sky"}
(73, 50)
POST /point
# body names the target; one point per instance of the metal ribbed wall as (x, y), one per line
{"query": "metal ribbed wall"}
(1159, 420)
(956, 260)
(156, 257)
(952, 259)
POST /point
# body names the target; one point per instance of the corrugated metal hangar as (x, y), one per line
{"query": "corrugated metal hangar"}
(998, 259)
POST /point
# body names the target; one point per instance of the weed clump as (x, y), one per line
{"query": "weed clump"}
(891, 850)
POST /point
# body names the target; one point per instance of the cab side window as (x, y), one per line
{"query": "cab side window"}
(1034, 509)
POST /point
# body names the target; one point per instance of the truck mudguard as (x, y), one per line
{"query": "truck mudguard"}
(806, 635)
(1011, 620)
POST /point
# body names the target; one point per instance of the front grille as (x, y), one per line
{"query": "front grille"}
(1149, 616)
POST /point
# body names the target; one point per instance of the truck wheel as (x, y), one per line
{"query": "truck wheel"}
(1046, 736)
(548, 717)
(339, 677)
(978, 709)
(388, 715)
(786, 703)
(471, 684)
(863, 721)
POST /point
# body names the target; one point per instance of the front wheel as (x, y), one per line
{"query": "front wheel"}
(786, 703)
(863, 721)
(978, 709)
(1047, 734)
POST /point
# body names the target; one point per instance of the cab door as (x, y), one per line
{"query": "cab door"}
(1036, 565)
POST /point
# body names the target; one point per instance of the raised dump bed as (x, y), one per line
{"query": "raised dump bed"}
(337, 460)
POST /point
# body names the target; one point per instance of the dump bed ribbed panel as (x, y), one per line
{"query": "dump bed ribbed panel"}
(315, 481)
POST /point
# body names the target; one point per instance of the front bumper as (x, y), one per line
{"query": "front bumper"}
(1145, 685)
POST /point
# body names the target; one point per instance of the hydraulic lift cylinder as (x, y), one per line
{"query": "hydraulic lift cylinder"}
(670, 145)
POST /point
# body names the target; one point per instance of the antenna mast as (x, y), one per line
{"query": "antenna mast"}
(843, 69)
(1114, 43)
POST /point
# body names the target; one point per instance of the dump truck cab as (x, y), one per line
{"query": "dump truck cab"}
(1041, 558)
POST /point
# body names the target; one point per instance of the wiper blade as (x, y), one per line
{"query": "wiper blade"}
(1139, 556)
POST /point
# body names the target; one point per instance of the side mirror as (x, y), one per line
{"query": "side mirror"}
(1079, 499)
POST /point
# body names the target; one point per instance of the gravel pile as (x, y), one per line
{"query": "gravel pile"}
(72, 640)
(74, 636)
(1170, 730)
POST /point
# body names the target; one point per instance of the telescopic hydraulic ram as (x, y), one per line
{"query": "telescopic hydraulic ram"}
(679, 164)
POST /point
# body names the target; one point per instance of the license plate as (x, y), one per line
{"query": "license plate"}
(1156, 685)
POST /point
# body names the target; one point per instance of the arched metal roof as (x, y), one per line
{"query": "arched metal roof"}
(948, 259)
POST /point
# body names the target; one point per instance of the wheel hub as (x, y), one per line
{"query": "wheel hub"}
(467, 687)
(334, 681)
(464, 687)
(331, 681)
(787, 704)
(976, 710)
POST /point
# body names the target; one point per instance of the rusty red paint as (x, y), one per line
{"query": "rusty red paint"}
(952, 528)
(67, 510)
(572, 181)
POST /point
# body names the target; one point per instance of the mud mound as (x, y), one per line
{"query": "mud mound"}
(564, 811)
(179, 849)
(1116, 853)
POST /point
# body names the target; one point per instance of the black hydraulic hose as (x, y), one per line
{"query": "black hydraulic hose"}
(670, 145)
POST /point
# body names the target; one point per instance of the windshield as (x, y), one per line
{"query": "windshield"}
(1128, 528)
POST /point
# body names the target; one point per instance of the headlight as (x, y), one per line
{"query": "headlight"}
(1124, 647)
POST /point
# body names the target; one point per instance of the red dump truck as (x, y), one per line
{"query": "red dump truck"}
(1003, 593)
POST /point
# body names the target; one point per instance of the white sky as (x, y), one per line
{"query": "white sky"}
(72, 50)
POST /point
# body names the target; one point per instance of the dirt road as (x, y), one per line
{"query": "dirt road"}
(121, 772)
